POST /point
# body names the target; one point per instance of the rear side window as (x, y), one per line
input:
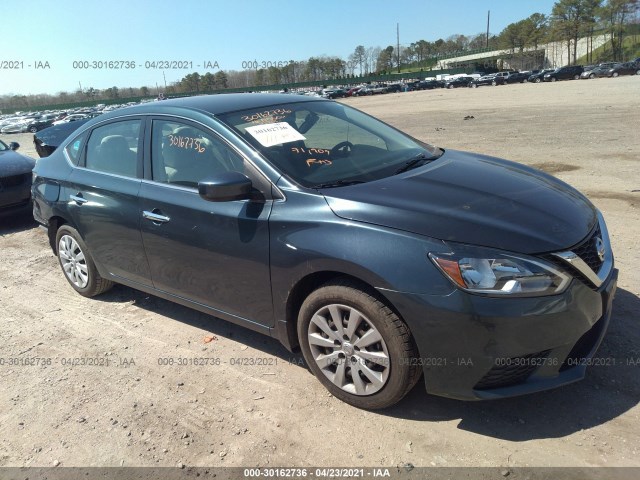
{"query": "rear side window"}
(73, 149)
(113, 148)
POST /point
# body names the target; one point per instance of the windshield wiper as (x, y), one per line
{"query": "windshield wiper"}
(416, 161)
(337, 183)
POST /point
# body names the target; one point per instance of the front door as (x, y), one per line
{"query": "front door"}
(212, 253)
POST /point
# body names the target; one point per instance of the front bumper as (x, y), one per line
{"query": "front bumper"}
(474, 347)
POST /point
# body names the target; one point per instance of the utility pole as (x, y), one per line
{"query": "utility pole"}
(488, 17)
(398, 45)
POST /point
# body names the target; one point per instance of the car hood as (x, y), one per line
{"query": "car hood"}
(473, 199)
(13, 163)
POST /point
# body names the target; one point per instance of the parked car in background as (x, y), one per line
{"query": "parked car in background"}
(487, 80)
(598, 71)
(394, 88)
(15, 179)
(71, 118)
(571, 72)
(372, 90)
(517, 77)
(458, 82)
(353, 91)
(334, 93)
(629, 68)
(17, 126)
(40, 123)
(331, 231)
(47, 140)
(538, 77)
(504, 73)
(430, 84)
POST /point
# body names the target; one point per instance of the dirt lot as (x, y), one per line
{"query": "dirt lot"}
(136, 412)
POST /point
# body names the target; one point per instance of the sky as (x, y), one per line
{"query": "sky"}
(44, 38)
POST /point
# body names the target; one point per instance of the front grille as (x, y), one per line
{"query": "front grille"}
(512, 371)
(588, 251)
(15, 180)
(581, 350)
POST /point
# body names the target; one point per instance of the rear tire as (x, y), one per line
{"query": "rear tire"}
(77, 264)
(356, 346)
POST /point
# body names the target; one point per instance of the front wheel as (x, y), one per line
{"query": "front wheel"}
(538, 80)
(592, 76)
(553, 79)
(33, 129)
(615, 74)
(77, 264)
(358, 348)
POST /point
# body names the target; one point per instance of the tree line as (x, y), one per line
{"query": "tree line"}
(568, 21)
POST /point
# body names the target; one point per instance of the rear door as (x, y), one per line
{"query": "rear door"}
(212, 253)
(102, 197)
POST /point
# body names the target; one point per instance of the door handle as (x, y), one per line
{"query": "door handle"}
(155, 217)
(78, 198)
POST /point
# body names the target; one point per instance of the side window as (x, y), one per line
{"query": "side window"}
(73, 149)
(183, 155)
(113, 148)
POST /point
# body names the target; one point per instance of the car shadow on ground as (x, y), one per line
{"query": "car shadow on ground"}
(607, 392)
(17, 222)
(215, 326)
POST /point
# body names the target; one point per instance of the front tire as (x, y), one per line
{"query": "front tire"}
(77, 264)
(358, 348)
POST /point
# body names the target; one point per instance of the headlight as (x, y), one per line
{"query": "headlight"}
(491, 272)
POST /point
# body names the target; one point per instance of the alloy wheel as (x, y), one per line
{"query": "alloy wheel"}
(348, 349)
(73, 261)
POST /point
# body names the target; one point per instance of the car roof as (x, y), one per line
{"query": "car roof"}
(220, 103)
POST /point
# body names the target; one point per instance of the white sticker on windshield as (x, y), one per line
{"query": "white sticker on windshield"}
(272, 134)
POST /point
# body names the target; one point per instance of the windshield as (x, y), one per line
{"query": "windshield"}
(327, 143)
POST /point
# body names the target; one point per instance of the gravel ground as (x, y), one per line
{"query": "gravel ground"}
(136, 412)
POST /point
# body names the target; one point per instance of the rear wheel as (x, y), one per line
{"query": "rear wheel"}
(576, 77)
(77, 264)
(474, 85)
(494, 83)
(33, 129)
(357, 347)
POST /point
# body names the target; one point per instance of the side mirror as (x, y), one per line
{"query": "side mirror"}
(14, 146)
(225, 187)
